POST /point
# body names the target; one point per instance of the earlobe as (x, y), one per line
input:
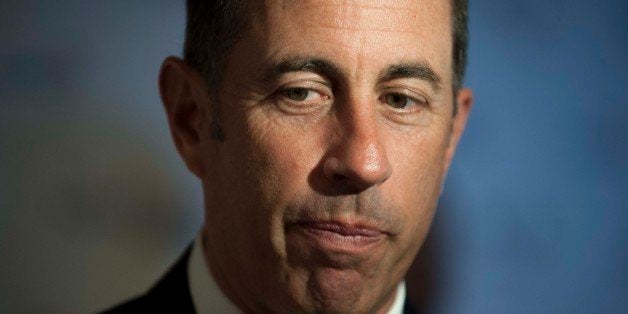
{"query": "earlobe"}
(464, 101)
(184, 97)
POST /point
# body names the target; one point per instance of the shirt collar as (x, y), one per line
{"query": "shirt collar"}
(206, 295)
(208, 298)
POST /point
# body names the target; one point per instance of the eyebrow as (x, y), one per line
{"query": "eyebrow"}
(305, 64)
(419, 70)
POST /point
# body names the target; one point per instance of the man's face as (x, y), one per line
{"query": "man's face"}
(338, 133)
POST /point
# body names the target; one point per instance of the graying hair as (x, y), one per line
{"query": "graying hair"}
(212, 28)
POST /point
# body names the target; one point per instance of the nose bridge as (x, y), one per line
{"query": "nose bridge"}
(360, 157)
(361, 139)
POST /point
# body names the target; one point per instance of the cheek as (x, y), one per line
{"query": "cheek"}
(415, 187)
(417, 177)
(281, 159)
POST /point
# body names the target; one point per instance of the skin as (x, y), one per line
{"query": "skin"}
(318, 130)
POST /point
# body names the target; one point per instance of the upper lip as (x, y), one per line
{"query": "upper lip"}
(342, 229)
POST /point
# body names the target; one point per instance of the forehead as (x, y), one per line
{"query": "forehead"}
(378, 15)
(366, 29)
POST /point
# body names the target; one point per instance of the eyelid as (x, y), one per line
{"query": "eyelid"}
(306, 107)
(419, 98)
(302, 76)
(409, 87)
(311, 85)
(283, 92)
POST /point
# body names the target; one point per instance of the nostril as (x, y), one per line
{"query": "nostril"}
(332, 168)
(338, 177)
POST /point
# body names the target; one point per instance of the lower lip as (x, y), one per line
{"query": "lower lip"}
(338, 238)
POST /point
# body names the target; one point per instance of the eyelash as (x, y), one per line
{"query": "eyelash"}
(412, 104)
(420, 102)
(285, 91)
(313, 101)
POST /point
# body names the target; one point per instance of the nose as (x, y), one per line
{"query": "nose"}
(358, 160)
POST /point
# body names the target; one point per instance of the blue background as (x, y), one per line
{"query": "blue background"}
(94, 203)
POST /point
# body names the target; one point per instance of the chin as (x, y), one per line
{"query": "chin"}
(327, 290)
(338, 275)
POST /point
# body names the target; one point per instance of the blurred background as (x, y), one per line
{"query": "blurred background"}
(95, 204)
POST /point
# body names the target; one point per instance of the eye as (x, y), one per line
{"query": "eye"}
(400, 101)
(304, 99)
(300, 94)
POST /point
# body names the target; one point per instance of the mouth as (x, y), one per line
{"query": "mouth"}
(337, 237)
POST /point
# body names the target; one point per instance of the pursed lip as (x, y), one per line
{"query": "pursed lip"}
(341, 237)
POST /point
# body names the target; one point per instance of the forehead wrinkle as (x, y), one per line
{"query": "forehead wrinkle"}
(368, 17)
(361, 58)
(360, 4)
(357, 29)
(378, 33)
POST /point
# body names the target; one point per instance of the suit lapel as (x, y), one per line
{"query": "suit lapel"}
(173, 287)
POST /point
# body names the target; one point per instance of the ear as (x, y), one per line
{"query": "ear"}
(464, 100)
(186, 100)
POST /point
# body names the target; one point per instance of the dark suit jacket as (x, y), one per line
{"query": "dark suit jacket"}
(171, 294)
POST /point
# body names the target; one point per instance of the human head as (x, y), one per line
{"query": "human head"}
(339, 131)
